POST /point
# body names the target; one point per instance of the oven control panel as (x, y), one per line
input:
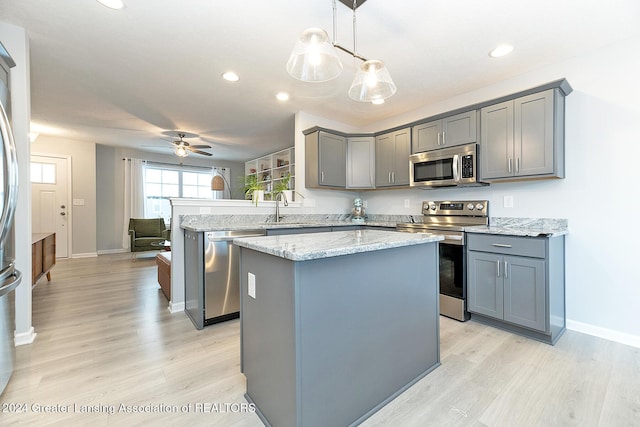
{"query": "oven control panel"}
(457, 208)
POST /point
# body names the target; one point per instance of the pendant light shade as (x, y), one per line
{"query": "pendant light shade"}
(372, 83)
(217, 183)
(314, 59)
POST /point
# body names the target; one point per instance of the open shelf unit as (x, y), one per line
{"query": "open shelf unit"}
(272, 168)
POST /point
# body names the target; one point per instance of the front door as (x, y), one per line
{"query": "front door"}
(50, 199)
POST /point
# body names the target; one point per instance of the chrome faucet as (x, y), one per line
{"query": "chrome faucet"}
(284, 201)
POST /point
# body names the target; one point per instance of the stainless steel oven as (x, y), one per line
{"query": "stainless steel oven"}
(449, 218)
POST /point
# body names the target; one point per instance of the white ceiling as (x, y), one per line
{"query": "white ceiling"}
(124, 77)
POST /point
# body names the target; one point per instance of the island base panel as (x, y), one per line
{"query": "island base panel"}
(329, 341)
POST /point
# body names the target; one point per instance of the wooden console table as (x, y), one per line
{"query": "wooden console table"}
(43, 255)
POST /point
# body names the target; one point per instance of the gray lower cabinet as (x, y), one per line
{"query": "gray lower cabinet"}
(517, 283)
(448, 132)
(392, 158)
(325, 160)
(523, 138)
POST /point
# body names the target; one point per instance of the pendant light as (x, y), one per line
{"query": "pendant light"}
(315, 59)
(372, 83)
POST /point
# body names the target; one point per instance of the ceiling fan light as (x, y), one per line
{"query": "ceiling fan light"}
(372, 83)
(180, 151)
(314, 59)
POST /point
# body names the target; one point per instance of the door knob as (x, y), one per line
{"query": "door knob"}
(62, 213)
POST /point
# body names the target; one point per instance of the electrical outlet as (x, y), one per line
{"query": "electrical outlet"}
(364, 204)
(251, 280)
(508, 201)
(407, 203)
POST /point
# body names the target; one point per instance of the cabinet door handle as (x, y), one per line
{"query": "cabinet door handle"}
(501, 245)
(389, 178)
(393, 177)
(506, 270)
(322, 176)
(509, 164)
(438, 138)
(444, 141)
(498, 268)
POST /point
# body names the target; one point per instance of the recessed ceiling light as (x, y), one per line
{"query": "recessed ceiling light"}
(378, 101)
(282, 96)
(230, 76)
(112, 4)
(501, 50)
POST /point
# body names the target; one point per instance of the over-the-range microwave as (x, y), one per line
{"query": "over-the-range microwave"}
(445, 167)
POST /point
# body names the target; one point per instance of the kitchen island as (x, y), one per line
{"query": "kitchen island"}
(335, 325)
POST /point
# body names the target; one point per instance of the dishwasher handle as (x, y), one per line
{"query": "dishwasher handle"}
(229, 237)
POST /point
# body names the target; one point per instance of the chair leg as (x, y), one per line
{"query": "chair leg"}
(133, 256)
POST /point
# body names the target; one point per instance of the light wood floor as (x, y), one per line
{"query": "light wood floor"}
(106, 338)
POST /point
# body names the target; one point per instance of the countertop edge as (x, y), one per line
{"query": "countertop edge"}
(253, 243)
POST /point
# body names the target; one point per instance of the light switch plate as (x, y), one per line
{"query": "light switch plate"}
(251, 281)
(407, 203)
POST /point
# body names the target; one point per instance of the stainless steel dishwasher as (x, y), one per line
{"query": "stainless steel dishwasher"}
(212, 283)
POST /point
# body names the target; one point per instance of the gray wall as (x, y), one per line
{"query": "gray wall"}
(109, 168)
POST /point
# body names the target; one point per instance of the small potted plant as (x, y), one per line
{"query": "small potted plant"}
(282, 186)
(253, 189)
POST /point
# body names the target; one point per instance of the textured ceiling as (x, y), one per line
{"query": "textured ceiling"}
(124, 77)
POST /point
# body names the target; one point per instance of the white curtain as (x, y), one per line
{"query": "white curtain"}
(133, 195)
(226, 175)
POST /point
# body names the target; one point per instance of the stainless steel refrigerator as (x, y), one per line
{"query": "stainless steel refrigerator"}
(9, 276)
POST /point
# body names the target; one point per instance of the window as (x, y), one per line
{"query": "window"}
(43, 173)
(162, 183)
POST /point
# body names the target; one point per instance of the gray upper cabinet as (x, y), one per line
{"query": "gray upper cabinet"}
(448, 132)
(523, 138)
(325, 160)
(392, 158)
(361, 162)
(517, 283)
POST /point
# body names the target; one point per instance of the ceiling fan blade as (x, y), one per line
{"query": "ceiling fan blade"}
(201, 146)
(204, 153)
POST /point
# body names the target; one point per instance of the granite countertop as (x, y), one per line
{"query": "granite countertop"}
(199, 223)
(304, 247)
(526, 227)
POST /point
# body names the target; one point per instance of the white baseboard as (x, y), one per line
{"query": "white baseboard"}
(112, 251)
(176, 308)
(25, 337)
(87, 255)
(608, 334)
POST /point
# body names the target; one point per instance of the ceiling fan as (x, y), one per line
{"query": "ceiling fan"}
(182, 148)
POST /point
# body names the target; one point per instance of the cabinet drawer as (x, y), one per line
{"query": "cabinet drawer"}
(508, 245)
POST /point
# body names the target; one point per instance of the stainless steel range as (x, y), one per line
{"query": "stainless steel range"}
(449, 218)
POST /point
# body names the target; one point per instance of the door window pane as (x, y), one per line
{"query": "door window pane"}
(43, 173)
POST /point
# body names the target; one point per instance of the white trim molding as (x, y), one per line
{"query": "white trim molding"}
(25, 338)
(608, 334)
(176, 307)
(85, 255)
